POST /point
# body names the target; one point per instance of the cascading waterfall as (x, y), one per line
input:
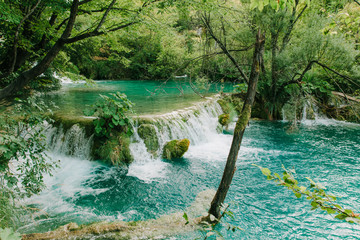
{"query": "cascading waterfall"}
(197, 123)
(78, 180)
(72, 142)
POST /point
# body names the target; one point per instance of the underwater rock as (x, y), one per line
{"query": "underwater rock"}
(161, 228)
(147, 132)
(175, 148)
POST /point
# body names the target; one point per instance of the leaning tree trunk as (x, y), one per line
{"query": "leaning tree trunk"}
(241, 124)
(24, 78)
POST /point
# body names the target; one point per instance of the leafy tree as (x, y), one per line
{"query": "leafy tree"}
(23, 160)
(38, 30)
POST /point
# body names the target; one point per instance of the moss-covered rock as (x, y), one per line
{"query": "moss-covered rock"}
(231, 102)
(224, 119)
(225, 105)
(175, 149)
(114, 151)
(67, 121)
(147, 132)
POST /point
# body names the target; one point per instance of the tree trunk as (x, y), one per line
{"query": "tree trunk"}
(241, 124)
(24, 78)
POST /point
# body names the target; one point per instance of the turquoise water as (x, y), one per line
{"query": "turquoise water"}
(327, 151)
(149, 96)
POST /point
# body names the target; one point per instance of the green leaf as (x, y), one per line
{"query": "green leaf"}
(122, 122)
(261, 5)
(298, 195)
(330, 211)
(341, 216)
(349, 211)
(185, 216)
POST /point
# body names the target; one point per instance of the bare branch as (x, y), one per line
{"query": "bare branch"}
(206, 20)
(96, 33)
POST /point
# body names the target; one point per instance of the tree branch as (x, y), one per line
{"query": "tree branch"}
(84, 2)
(287, 35)
(105, 16)
(16, 38)
(357, 2)
(206, 20)
(95, 33)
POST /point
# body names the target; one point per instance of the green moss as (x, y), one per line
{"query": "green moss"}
(230, 103)
(114, 151)
(175, 149)
(225, 105)
(67, 122)
(344, 113)
(196, 113)
(148, 133)
(243, 119)
(224, 119)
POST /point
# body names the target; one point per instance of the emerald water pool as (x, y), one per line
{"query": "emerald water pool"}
(149, 96)
(327, 151)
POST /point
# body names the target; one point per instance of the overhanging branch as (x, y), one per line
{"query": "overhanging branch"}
(206, 20)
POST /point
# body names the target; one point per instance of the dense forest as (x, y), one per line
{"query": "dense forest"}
(279, 57)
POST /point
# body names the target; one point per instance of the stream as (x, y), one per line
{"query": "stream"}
(85, 191)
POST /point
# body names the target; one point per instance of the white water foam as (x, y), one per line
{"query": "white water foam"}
(197, 123)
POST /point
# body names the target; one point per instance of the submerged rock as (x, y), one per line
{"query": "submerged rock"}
(175, 148)
(147, 132)
(161, 228)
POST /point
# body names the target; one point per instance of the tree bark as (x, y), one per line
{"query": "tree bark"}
(240, 127)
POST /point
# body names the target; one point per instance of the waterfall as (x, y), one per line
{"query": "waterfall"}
(304, 112)
(72, 142)
(197, 123)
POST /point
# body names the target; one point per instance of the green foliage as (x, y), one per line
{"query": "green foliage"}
(241, 88)
(113, 114)
(23, 161)
(9, 234)
(275, 4)
(314, 193)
